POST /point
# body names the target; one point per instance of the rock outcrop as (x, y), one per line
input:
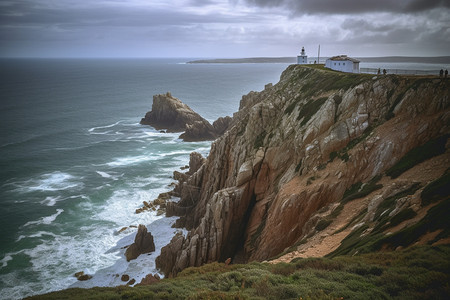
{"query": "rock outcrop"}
(143, 243)
(293, 152)
(170, 114)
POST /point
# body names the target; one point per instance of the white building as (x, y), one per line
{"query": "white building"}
(302, 59)
(343, 63)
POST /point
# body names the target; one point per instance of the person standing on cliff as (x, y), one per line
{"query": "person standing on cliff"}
(446, 73)
(441, 72)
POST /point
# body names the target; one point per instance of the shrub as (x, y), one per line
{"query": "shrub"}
(324, 223)
(403, 215)
(436, 190)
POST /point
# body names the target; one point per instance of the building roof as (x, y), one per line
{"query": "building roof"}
(344, 57)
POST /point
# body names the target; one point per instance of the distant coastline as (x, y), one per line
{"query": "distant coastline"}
(392, 59)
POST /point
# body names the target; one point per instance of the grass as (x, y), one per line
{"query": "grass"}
(419, 154)
(413, 273)
(438, 189)
(359, 190)
(310, 109)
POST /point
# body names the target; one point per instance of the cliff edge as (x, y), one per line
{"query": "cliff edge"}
(320, 157)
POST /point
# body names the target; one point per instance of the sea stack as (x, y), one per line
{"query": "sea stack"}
(170, 114)
(143, 243)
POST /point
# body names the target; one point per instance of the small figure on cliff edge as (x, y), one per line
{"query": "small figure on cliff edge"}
(446, 73)
(384, 71)
(441, 72)
(379, 71)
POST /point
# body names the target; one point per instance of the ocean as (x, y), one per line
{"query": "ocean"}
(75, 163)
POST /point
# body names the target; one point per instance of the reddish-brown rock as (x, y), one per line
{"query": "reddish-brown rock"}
(143, 243)
(294, 149)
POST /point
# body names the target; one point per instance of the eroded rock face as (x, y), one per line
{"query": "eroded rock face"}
(170, 114)
(294, 149)
(143, 243)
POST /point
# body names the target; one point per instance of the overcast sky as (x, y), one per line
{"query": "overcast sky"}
(223, 28)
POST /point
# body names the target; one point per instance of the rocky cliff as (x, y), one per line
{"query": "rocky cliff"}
(349, 155)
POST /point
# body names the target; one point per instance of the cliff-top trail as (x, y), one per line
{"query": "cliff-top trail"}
(320, 163)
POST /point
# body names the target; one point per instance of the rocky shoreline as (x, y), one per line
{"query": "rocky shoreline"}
(290, 154)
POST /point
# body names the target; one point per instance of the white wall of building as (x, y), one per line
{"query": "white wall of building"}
(342, 65)
(302, 59)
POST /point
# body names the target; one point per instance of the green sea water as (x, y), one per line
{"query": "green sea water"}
(75, 163)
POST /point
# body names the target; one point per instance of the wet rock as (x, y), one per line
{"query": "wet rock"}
(143, 243)
(131, 282)
(125, 277)
(82, 277)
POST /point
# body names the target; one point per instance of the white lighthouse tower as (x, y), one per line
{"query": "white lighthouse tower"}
(302, 59)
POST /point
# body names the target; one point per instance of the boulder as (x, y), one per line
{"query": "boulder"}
(150, 279)
(143, 243)
(82, 277)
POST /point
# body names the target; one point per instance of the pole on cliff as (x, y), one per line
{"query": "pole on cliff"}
(318, 55)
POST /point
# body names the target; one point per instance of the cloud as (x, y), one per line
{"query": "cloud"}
(352, 6)
(212, 28)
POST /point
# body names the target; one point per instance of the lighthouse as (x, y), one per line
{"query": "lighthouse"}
(302, 59)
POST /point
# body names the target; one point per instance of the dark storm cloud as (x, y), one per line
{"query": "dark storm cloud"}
(210, 27)
(352, 6)
(24, 13)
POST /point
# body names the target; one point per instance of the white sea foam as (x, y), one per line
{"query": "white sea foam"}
(54, 181)
(130, 160)
(36, 235)
(93, 129)
(107, 175)
(5, 260)
(46, 220)
(137, 269)
(120, 207)
(50, 200)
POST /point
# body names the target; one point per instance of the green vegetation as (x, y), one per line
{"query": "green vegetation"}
(390, 113)
(403, 215)
(309, 110)
(359, 190)
(438, 189)
(414, 273)
(259, 141)
(325, 222)
(419, 154)
(357, 242)
(388, 204)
